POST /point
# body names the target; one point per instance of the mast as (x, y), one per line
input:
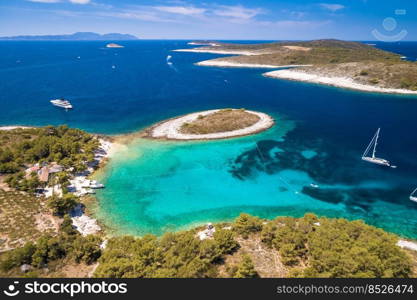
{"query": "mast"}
(376, 142)
(369, 146)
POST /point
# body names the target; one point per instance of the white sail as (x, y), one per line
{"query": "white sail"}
(413, 197)
(376, 142)
(372, 145)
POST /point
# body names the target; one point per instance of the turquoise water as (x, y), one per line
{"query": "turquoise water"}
(155, 186)
(308, 162)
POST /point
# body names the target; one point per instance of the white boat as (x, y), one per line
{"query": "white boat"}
(61, 103)
(373, 158)
(413, 197)
(96, 185)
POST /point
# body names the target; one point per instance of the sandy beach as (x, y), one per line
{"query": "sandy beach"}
(223, 63)
(13, 127)
(343, 82)
(170, 129)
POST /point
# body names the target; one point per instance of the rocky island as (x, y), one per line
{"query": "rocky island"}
(345, 64)
(113, 45)
(211, 124)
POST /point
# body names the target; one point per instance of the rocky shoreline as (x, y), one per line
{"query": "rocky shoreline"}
(337, 81)
(224, 63)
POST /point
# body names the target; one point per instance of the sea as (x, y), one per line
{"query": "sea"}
(310, 161)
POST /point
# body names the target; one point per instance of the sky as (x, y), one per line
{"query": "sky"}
(217, 19)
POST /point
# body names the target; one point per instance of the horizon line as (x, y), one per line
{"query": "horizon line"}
(10, 39)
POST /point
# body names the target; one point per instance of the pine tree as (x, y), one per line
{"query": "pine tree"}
(246, 269)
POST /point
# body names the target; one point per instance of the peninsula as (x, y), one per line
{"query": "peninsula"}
(345, 64)
(212, 124)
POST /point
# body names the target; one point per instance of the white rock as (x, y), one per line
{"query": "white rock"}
(407, 245)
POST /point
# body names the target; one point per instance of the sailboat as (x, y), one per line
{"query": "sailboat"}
(373, 158)
(413, 197)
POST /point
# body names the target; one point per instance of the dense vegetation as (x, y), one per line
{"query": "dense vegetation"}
(220, 121)
(20, 148)
(69, 245)
(62, 205)
(307, 247)
(24, 216)
(336, 248)
(173, 255)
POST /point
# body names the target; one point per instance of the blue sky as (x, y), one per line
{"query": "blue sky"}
(218, 19)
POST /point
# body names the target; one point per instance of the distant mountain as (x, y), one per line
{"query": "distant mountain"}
(78, 36)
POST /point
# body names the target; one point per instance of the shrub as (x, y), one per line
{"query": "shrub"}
(86, 249)
(246, 269)
(62, 205)
(67, 227)
(336, 248)
(179, 255)
(225, 241)
(246, 224)
(18, 257)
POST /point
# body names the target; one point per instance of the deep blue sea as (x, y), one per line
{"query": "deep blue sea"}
(319, 137)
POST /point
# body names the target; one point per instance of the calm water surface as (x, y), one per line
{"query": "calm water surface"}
(155, 186)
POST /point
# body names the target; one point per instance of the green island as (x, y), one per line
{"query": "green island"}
(220, 121)
(360, 63)
(38, 237)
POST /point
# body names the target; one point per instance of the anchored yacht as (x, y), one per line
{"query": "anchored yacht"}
(62, 103)
(373, 159)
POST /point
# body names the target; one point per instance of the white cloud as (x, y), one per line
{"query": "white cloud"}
(237, 12)
(142, 15)
(298, 24)
(80, 1)
(56, 1)
(332, 7)
(181, 10)
(45, 1)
